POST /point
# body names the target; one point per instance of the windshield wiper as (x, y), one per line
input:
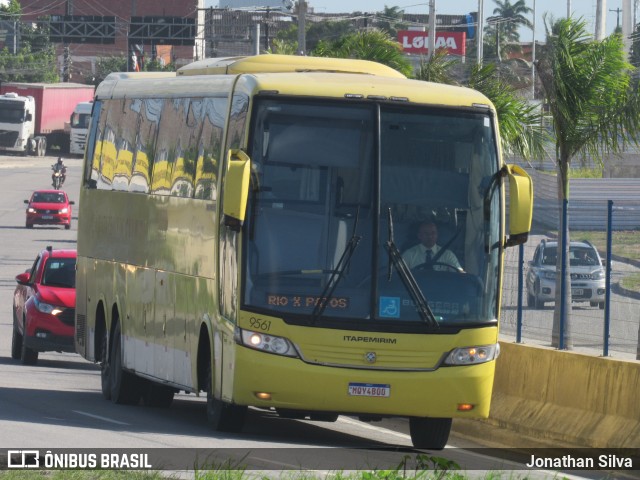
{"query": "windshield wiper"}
(338, 272)
(408, 279)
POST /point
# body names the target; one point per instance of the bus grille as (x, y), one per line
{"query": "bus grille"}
(387, 358)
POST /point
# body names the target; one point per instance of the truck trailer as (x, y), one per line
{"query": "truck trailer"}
(33, 115)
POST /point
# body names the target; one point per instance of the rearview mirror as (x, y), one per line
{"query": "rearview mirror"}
(23, 278)
(236, 188)
(520, 205)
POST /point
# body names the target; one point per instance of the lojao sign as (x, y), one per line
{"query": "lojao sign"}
(413, 41)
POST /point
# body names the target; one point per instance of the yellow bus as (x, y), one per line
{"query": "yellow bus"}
(262, 261)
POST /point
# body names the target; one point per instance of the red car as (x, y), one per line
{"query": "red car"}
(44, 306)
(49, 207)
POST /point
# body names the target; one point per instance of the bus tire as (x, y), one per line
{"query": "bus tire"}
(223, 416)
(125, 387)
(429, 433)
(105, 368)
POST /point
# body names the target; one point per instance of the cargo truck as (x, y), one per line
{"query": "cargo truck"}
(79, 127)
(33, 115)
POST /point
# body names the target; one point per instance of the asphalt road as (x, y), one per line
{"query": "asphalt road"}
(57, 404)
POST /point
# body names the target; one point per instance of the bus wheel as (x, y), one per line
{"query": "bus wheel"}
(324, 417)
(222, 416)
(157, 396)
(430, 433)
(105, 378)
(125, 387)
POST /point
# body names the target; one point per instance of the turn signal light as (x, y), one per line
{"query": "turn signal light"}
(465, 407)
(263, 395)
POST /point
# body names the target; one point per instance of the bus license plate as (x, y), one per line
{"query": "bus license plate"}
(577, 292)
(369, 390)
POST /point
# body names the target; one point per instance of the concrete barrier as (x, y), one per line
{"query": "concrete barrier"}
(561, 398)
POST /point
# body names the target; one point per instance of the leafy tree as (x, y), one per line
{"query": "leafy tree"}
(29, 57)
(595, 110)
(371, 44)
(315, 32)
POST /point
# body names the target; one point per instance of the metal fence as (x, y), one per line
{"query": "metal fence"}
(597, 210)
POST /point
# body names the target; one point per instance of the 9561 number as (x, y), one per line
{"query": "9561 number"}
(260, 324)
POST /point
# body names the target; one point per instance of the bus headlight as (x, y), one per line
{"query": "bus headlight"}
(265, 342)
(473, 355)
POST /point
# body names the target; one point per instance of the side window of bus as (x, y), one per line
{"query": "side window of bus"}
(151, 110)
(106, 162)
(184, 165)
(174, 166)
(209, 147)
(125, 130)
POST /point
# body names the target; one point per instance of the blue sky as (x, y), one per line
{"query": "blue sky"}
(557, 8)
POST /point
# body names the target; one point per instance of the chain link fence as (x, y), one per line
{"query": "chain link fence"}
(600, 211)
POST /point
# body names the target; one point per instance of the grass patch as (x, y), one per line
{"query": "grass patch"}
(624, 243)
(631, 282)
(584, 172)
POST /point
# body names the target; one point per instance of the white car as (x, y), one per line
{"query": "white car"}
(585, 266)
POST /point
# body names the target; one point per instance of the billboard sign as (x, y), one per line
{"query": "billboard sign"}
(417, 42)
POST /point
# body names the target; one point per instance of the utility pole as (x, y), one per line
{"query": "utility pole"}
(480, 31)
(266, 31)
(302, 33)
(601, 19)
(618, 12)
(627, 25)
(432, 28)
(568, 8)
(533, 54)
(66, 57)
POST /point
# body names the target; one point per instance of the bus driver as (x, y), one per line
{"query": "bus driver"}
(426, 251)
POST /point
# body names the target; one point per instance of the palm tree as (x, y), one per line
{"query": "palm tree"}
(371, 44)
(519, 122)
(502, 29)
(437, 68)
(390, 20)
(513, 16)
(595, 110)
(521, 131)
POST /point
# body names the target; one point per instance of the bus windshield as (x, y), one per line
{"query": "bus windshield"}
(336, 187)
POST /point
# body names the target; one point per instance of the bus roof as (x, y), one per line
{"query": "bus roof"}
(307, 84)
(268, 63)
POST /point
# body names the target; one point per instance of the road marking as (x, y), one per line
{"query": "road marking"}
(100, 418)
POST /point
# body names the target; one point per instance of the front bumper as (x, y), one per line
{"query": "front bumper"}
(294, 384)
(581, 291)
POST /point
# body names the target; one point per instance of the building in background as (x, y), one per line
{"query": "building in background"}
(83, 53)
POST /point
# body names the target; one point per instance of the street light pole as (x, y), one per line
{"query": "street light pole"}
(432, 28)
